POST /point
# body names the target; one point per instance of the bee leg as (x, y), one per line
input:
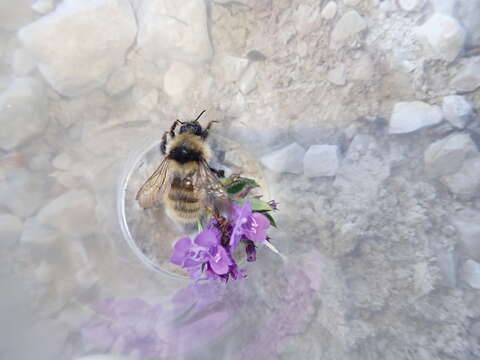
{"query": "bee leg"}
(205, 132)
(174, 126)
(163, 144)
(219, 172)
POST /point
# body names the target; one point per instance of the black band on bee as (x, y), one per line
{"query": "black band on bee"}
(183, 154)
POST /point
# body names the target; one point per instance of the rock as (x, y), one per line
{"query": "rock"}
(447, 266)
(62, 161)
(411, 116)
(471, 273)
(465, 182)
(229, 68)
(330, 10)
(177, 79)
(444, 6)
(457, 110)
(443, 35)
(10, 230)
(467, 224)
(321, 160)
(363, 68)
(350, 24)
(337, 76)
(172, 29)
(248, 81)
(22, 106)
(120, 81)
(43, 6)
(475, 329)
(144, 98)
(351, 2)
(22, 62)
(411, 5)
(14, 15)
(468, 12)
(446, 156)
(467, 76)
(82, 63)
(288, 159)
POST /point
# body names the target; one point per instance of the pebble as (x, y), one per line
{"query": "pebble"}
(22, 106)
(363, 69)
(468, 11)
(178, 78)
(229, 68)
(457, 110)
(446, 156)
(178, 31)
(443, 35)
(337, 76)
(466, 181)
(330, 10)
(43, 6)
(411, 116)
(467, 224)
(321, 160)
(351, 2)
(10, 230)
(120, 81)
(248, 81)
(471, 273)
(447, 266)
(288, 159)
(467, 76)
(349, 24)
(62, 161)
(411, 5)
(82, 63)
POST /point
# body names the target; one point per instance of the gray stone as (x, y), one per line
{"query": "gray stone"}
(14, 15)
(457, 110)
(351, 2)
(22, 62)
(95, 35)
(363, 68)
(248, 81)
(465, 182)
(330, 10)
(229, 68)
(178, 78)
(43, 6)
(173, 29)
(467, 75)
(321, 160)
(446, 156)
(443, 35)
(10, 230)
(445, 7)
(350, 23)
(120, 81)
(62, 161)
(411, 116)
(468, 12)
(23, 112)
(411, 5)
(337, 76)
(471, 273)
(447, 265)
(467, 224)
(475, 329)
(288, 159)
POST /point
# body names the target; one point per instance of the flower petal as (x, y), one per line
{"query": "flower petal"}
(180, 250)
(207, 238)
(220, 261)
(262, 220)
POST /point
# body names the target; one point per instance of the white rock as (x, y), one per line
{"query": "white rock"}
(337, 76)
(444, 6)
(467, 223)
(145, 98)
(22, 62)
(446, 156)
(248, 81)
(410, 116)
(10, 230)
(465, 182)
(330, 10)
(177, 79)
(174, 29)
(229, 68)
(351, 2)
(350, 24)
(120, 81)
(288, 159)
(468, 12)
(467, 76)
(14, 15)
(43, 6)
(62, 161)
(447, 266)
(321, 160)
(443, 35)
(411, 5)
(457, 110)
(94, 37)
(363, 68)
(471, 273)
(23, 112)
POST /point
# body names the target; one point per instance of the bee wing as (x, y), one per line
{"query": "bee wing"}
(150, 193)
(212, 189)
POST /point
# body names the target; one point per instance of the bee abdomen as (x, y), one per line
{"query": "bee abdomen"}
(183, 204)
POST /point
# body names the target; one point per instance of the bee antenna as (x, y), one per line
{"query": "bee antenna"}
(198, 117)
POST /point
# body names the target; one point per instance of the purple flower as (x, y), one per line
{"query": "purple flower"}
(251, 225)
(205, 249)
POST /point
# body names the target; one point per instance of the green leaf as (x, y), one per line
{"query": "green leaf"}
(271, 219)
(237, 184)
(236, 187)
(257, 204)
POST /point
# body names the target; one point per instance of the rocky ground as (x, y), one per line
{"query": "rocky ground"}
(364, 114)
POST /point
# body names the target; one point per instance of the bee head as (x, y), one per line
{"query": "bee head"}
(192, 127)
